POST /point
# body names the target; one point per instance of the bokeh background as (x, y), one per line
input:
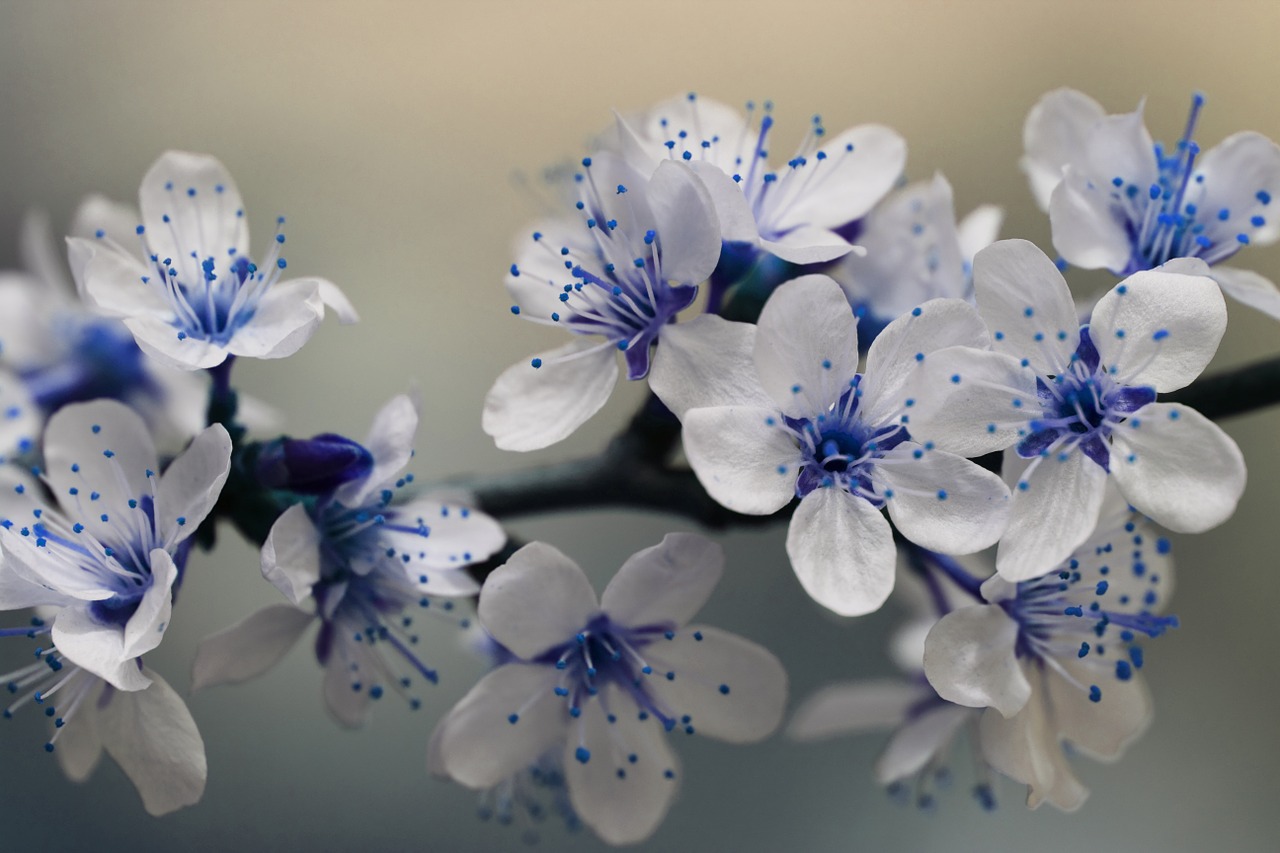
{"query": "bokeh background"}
(395, 135)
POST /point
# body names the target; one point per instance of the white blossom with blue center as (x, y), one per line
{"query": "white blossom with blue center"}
(916, 251)
(1080, 401)
(1118, 200)
(1057, 658)
(193, 297)
(793, 211)
(779, 411)
(366, 559)
(614, 277)
(604, 681)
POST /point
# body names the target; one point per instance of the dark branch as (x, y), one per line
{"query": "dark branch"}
(1233, 392)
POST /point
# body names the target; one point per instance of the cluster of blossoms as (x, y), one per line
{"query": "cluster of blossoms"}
(832, 348)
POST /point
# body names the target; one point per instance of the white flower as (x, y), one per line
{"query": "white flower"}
(1079, 401)
(1056, 659)
(362, 557)
(1120, 201)
(915, 252)
(192, 297)
(621, 272)
(779, 410)
(604, 681)
(111, 554)
(59, 352)
(792, 212)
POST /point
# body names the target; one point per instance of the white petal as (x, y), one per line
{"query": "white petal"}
(1021, 295)
(743, 457)
(291, 554)
(116, 221)
(159, 340)
(79, 747)
(841, 549)
(1085, 231)
(944, 502)
(979, 229)
(730, 688)
(249, 648)
(854, 707)
(455, 536)
(1158, 328)
(531, 408)
(77, 442)
(153, 738)
(1025, 748)
(806, 349)
(688, 230)
(286, 318)
(98, 648)
(1141, 577)
(862, 165)
(969, 659)
(1054, 136)
(337, 302)
(971, 402)
(390, 443)
(208, 221)
(909, 341)
(112, 281)
(537, 599)
(1120, 146)
(145, 628)
(19, 417)
(919, 741)
(705, 363)
(1177, 466)
(628, 808)
(808, 244)
(1235, 171)
(1102, 729)
(1052, 515)
(737, 222)
(191, 485)
(345, 698)
(666, 583)
(38, 251)
(479, 746)
(1250, 288)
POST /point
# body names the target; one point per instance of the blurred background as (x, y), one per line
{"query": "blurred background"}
(394, 136)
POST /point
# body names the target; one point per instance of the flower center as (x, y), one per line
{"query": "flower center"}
(840, 449)
(103, 361)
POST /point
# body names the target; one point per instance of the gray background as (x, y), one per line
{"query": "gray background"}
(389, 134)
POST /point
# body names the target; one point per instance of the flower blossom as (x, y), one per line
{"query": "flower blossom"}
(361, 556)
(1080, 402)
(1057, 658)
(1117, 200)
(915, 251)
(779, 411)
(191, 296)
(794, 212)
(619, 273)
(103, 567)
(603, 681)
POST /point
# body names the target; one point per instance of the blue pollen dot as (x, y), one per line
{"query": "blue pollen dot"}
(1123, 670)
(919, 356)
(1084, 650)
(513, 718)
(537, 362)
(1095, 695)
(955, 378)
(942, 494)
(582, 754)
(915, 312)
(724, 689)
(1101, 588)
(670, 774)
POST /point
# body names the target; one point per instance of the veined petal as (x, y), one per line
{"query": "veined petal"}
(854, 707)
(530, 408)
(688, 230)
(809, 244)
(112, 281)
(1102, 729)
(479, 746)
(737, 223)
(908, 341)
(250, 647)
(455, 536)
(168, 345)
(971, 402)
(145, 628)
(665, 583)
(1158, 329)
(919, 741)
(537, 599)
(841, 549)
(743, 457)
(98, 648)
(1248, 287)
(862, 165)
(190, 201)
(1052, 514)
(1025, 748)
(706, 363)
(943, 502)
(1085, 232)
(623, 801)
(806, 348)
(1177, 466)
(151, 735)
(1236, 171)
(287, 316)
(730, 688)
(1120, 146)
(1054, 136)
(291, 554)
(191, 485)
(1021, 295)
(969, 659)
